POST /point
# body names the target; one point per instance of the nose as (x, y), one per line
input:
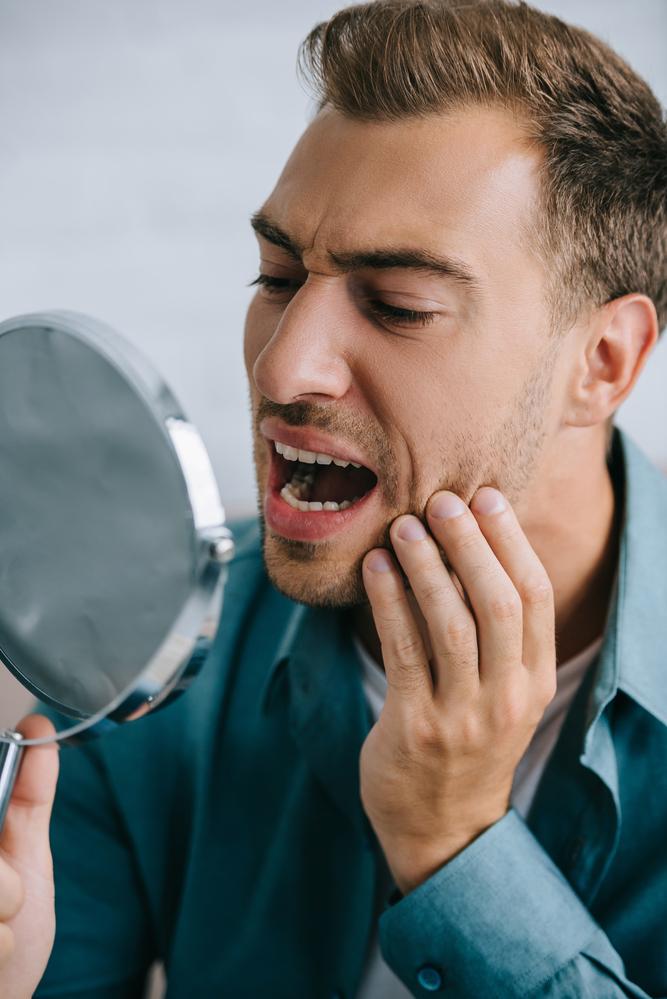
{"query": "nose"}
(305, 357)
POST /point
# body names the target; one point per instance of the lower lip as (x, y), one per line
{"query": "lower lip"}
(307, 525)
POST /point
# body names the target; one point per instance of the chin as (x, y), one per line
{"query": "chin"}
(311, 574)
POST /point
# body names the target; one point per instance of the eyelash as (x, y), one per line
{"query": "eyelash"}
(380, 309)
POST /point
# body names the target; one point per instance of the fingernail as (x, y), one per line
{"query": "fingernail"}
(411, 529)
(379, 561)
(446, 505)
(487, 500)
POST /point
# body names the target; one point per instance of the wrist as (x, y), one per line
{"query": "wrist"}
(413, 863)
(411, 870)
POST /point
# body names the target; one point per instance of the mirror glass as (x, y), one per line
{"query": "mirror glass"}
(112, 537)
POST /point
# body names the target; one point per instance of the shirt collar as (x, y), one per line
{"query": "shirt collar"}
(632, 657)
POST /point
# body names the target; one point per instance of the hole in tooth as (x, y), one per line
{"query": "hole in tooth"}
(301, 481)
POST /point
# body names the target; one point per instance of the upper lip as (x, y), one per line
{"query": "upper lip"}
(310, 439)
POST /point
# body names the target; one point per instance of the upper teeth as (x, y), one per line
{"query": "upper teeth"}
(311, 457)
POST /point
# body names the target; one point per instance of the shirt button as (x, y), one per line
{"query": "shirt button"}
(429, 978)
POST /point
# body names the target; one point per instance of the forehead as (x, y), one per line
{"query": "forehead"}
(462, 181)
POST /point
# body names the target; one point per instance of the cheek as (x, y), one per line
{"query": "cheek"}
(417, 398)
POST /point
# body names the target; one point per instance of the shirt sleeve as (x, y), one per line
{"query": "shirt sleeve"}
(103, 945)
(500, 919)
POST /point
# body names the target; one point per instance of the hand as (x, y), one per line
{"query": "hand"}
(470, 666)
(27, 916)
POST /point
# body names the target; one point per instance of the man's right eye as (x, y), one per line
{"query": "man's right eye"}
(272, 285)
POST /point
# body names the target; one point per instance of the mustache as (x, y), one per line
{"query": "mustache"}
(334, 421)
(297, 414)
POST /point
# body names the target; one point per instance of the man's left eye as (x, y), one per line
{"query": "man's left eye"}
(401, 317)
(378, 309)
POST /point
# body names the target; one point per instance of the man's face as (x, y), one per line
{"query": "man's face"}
(429, 377)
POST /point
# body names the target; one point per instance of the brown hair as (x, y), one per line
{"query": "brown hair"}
(602, 228)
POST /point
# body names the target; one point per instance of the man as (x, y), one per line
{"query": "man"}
(427, 752)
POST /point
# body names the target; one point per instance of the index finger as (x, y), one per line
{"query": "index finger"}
(403, 652)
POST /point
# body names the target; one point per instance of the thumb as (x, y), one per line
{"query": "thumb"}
(25, 836)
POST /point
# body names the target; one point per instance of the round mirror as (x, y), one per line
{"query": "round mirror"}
(112, 536)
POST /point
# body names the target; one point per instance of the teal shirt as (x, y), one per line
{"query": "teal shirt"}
(225, 835)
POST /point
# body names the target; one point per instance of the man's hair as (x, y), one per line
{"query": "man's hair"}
(601, 229)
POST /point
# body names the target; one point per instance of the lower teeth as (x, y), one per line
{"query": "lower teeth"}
(291, 493)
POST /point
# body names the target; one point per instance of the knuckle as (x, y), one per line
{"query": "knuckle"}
(403, 756)
(537, 591)
(460, 632)
(391, 612)
(509, 710)
(388, 622)
(426, 734)
(478, 573)
(505, 606)
(470, 731)
(407, 647)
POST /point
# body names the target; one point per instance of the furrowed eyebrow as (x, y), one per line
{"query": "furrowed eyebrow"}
(416, 260)
(274, 234)
(383, 259)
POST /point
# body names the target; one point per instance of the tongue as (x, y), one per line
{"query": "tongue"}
(337, 484)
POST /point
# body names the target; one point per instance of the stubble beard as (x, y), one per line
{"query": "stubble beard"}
(321, 574)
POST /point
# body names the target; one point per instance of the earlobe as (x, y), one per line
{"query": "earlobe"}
(622, 334)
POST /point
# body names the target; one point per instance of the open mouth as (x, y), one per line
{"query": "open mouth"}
(316, 482)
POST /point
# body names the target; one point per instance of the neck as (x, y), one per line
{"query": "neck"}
(576, 536)
(579, 548)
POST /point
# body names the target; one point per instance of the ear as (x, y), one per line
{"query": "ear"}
(620, 336)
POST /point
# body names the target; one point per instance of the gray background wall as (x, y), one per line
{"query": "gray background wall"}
(137, 136)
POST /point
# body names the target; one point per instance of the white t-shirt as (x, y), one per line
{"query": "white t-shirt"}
(379, 981)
